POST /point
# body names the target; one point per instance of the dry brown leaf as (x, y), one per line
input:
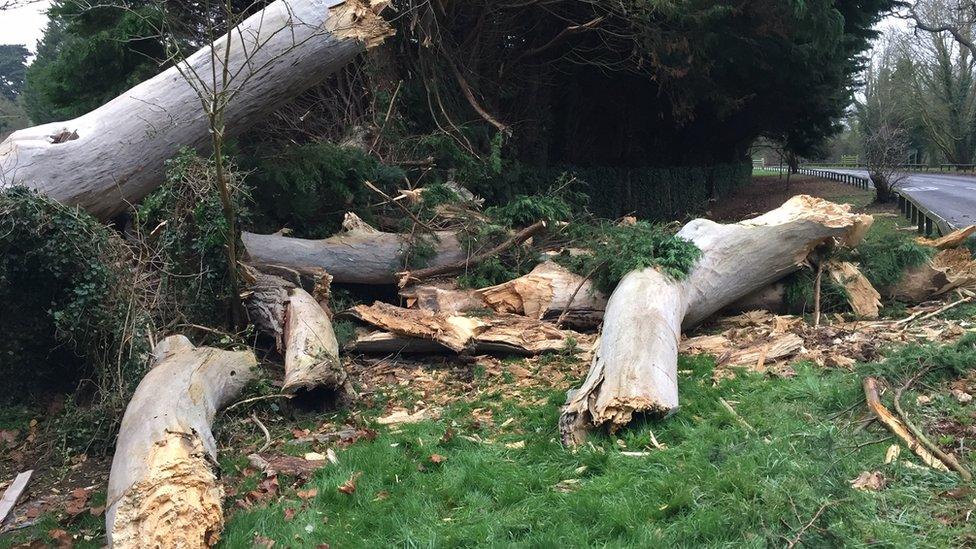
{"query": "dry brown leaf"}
(437, 458)
(349, 487)
(78, 502)
(306, 495)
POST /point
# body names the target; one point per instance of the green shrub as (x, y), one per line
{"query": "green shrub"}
(183, 223)
(620, 249)
(884, 255)
(308, 188)
(799, 290)
(69, 311)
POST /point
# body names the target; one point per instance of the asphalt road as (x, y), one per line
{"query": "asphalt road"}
(950, 196)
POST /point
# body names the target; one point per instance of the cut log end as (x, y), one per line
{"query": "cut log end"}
(176, 504)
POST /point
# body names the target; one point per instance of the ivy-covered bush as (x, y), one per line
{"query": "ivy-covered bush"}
(68, 309)
(183, 225)
(308, 188)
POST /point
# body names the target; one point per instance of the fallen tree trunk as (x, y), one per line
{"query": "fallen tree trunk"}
(358, 255)
(162, 490)
(634, 368)
(113, 156)
(311, 350)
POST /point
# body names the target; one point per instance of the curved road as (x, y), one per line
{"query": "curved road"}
(950, 196)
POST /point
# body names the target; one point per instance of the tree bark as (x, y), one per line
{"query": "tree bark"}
(311, 349)
(635, 366)
(162, 490)
(113, 156)
(359, 255)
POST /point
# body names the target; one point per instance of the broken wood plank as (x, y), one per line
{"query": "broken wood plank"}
(865, 301)
(13, 493)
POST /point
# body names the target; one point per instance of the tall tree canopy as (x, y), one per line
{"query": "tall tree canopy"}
(13, 68)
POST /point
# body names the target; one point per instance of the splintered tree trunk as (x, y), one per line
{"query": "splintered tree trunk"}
(635, 365)
(113, 156)
(162, 490)
(311, 349)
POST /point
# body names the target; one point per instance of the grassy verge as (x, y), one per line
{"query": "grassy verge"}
(716, 484)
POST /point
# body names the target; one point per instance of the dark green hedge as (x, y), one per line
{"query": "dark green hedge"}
(659, 194)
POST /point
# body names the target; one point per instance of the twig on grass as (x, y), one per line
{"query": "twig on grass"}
(738, 418)
(945, 458)
(267, 435)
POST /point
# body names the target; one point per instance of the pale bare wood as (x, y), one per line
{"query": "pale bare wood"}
(896, 426)
(865, 301)
(12, 494)
(311, 349)
(358, 255)
(113, 156)
(634, 368)
(162, 489)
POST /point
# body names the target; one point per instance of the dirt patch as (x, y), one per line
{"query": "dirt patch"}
(769, 192)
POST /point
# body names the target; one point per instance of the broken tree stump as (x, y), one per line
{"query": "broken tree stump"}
(634, 368)
(311, 350)
(113, 156)
(162, 490)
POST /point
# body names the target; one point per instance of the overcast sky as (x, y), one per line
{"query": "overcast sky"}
(24, 25)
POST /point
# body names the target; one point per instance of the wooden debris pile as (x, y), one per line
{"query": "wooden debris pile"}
(760, 341)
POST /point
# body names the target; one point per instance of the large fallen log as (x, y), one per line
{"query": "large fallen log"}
(634, 368)
(113, 156)
(162, 490)
(359, 254)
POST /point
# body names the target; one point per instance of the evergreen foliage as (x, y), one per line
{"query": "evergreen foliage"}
(68, 311)
(13, 68)
(619, 249)
(308, 188)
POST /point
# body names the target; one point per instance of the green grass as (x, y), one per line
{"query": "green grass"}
(716, 485)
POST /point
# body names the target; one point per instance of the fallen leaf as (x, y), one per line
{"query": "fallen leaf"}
(96, 511)
(922, 400)
(62, 538)
(381, 495)
(448, 435)
(402, 416)
(959, 492)
(869, 481)
(306, 495)
(962, 397)
(8, 437)
(78, 502)
(289, 514)
(261, 541)
(566, 486)
(349, 487)
(437, 458)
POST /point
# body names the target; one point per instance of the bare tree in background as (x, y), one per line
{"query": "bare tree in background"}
(882, 124)
(956, 17)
